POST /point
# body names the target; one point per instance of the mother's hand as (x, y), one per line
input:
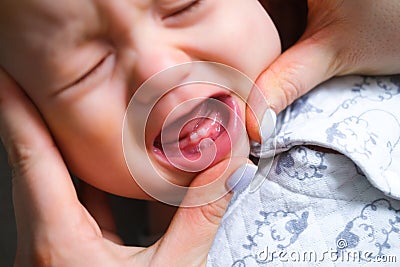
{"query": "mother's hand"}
(341, 37)
(54, 229)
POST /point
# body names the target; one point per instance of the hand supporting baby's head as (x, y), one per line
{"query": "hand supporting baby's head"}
(81, 62)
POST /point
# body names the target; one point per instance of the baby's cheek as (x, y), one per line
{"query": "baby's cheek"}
(92, 149)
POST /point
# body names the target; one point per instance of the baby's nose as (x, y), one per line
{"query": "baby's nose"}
(159, 59)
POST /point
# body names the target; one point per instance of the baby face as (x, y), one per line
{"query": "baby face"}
(81, 62)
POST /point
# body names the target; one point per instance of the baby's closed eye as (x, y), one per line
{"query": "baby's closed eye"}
(97, 73)
(182, 14)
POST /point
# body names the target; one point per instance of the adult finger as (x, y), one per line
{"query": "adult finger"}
(289, 77)
(192, 230)
(42, 189)
(309, 62)
(342, 37)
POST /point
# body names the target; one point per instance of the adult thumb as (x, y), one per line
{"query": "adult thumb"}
(192, 230)
(294, 73)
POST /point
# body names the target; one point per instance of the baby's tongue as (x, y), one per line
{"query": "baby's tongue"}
(199, 133)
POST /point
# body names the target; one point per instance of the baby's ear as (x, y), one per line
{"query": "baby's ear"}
(290, 18)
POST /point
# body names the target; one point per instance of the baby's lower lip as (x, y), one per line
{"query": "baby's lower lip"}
(218, 124)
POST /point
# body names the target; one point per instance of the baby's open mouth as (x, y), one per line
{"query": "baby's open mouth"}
(209, 126)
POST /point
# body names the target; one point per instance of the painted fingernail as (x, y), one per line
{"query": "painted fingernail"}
(267, 124)
(241, 178)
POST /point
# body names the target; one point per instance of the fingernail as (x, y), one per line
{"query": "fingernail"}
(267, 124)
(241, 178)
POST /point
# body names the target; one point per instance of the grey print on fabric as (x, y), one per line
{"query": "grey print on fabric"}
(277, 230)
(284, 139)
(361, 136)
(308, 164)
(375, 89)
(311, 200)
(302, 107)
(376, 230)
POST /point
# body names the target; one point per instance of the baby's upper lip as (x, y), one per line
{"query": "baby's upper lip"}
(189, 97)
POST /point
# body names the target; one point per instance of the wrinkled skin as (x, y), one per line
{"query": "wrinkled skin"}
(341, 38)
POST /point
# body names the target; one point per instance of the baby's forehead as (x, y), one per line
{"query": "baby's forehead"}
(42, 15)
(40, 30)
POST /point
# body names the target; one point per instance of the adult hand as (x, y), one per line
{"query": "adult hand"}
(341, 37)
(54, 229)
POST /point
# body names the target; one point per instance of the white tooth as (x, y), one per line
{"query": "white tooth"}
(205, 143)
(202, 132)
(194, 137)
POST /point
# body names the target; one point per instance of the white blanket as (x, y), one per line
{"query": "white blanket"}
(322, 208)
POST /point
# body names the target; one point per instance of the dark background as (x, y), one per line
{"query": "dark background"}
(8, 233)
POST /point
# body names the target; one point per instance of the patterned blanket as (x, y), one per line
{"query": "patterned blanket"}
(331, 196)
